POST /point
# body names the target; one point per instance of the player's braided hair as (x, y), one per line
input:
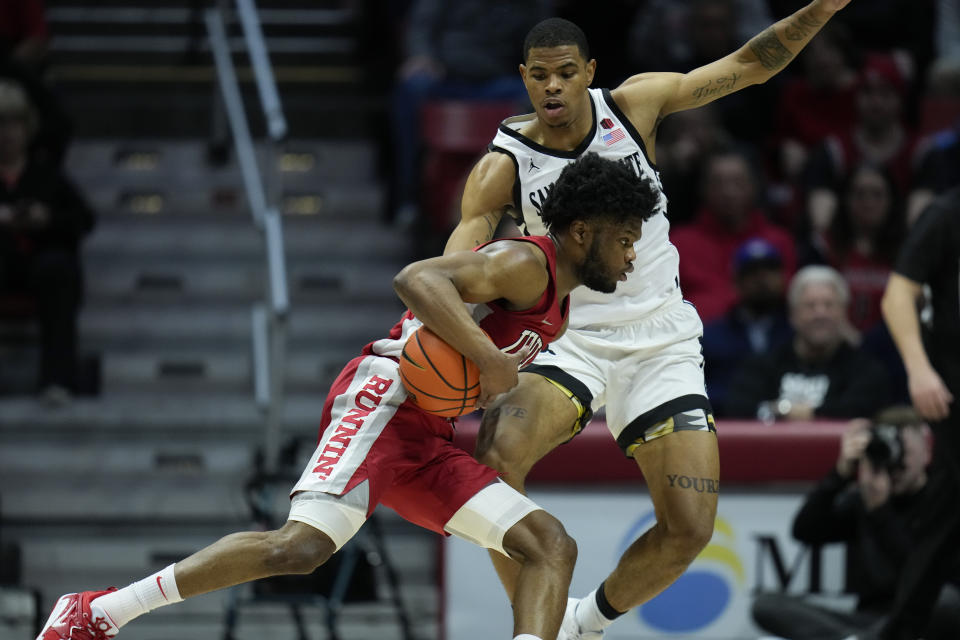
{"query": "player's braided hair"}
(555, 32)
(593, 188)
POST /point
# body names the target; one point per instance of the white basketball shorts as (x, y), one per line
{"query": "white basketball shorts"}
(648, 374)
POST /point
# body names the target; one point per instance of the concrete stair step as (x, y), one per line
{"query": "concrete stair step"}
(191, 326)
(301, 161)
(219, 371)
(142, 495)
(132, 238)
(151, 417)
(313, 199)
(197, 278)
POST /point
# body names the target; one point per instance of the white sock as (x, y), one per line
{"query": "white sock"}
(138, 598)
(588, 614)
(527, 636)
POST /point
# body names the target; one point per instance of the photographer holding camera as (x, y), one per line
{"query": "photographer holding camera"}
(872, 502)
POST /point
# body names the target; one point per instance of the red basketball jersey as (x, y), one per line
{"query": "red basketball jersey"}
(509, 330)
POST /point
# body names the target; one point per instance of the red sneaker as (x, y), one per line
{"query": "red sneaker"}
(71, 619)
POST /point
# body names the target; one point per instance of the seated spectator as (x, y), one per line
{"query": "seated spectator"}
(870, 502)
(23, 56)
(756, 324)
(945, 70)
(681, 36)
(464, 50)
(42, 221)
(903, 28)
(23, 32)
(863, 241)
(813, 105)
(684, 141)
(728, 218)
(938, 169)
(818, 374)
(879, 137)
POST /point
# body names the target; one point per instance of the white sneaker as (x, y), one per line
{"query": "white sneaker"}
(570, 628)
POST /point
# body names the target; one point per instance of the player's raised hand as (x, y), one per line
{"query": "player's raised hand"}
(833, 5)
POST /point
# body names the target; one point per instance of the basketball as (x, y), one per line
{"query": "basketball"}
(438, 378)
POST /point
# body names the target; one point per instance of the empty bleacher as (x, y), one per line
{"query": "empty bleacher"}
(113, 487)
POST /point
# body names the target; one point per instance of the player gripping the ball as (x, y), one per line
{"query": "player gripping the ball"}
(377, 447)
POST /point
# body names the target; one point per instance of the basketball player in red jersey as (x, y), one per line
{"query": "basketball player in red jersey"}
(376, 447)
(636, 352)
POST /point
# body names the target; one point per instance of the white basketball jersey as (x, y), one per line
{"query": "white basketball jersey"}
(655, 278)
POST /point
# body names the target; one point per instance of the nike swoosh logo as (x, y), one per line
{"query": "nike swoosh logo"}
(160, 584)
(547, 322)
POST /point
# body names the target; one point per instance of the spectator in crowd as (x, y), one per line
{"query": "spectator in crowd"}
(938, 169)
(903, 28)
(684, 141)
(23, 49)
(945, 70)
(464, 50)
(729, 217)
(42, 221)
(818, 374)
(23, 32)
(818, 103)
(879, 137)
(756, 323)
(863, 240)
(681, 36)
(870, 501)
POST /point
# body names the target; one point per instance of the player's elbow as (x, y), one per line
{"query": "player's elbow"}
(405, 282)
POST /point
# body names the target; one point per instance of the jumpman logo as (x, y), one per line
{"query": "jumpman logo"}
(532, 167)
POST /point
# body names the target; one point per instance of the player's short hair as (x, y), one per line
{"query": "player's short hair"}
(594, 188)
(555, 32)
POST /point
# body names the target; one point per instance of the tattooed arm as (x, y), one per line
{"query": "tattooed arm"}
(486, 196)
(647, 98)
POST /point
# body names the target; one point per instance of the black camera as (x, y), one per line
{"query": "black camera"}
(885, 448)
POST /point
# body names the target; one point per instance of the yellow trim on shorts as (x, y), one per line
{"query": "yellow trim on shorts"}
(578, 424)
(663, 428)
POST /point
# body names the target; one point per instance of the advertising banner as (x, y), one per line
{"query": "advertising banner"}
(751, 551)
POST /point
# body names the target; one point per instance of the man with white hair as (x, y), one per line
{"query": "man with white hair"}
(819, 374)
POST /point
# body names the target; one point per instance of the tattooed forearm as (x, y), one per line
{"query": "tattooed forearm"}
(700, 485)
(716, 88)
(769, 50)
(491, 219)
(802, 27)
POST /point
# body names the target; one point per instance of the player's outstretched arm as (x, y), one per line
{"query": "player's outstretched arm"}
(487, 194)
(754, 63)
(436, 289)
(929, 394)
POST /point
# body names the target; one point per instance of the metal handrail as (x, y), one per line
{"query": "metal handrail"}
(268, 321)
(266, 85)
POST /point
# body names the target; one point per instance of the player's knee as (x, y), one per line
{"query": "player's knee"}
(541, 538)
(297, 549)
(503, 451)
(689, 537)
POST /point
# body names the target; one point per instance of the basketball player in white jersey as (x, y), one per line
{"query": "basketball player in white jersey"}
(635, 351)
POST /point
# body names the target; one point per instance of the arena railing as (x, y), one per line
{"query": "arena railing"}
(269, 316)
